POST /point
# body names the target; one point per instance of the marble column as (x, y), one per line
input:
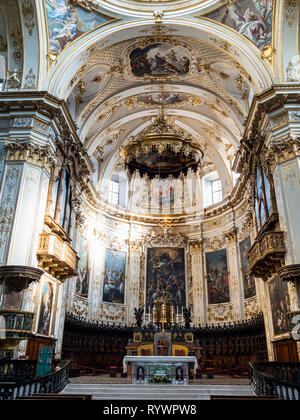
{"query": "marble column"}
(133, 281)
(234, 274)
(197, 282)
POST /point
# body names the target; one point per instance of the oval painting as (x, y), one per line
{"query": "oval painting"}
(159, 59)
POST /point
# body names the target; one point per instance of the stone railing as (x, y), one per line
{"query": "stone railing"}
(52, 383)
(279, 380)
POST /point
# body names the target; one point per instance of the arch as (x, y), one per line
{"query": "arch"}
(248, 54)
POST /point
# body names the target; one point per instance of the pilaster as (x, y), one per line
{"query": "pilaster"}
(197, 282)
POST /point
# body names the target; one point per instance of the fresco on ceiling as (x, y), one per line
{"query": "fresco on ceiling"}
(280, 304)
(67, 22)
(251, 18)
(162, 98)
(82, 281)
(248, 281)
(114, 276)
(217, 277)
(165, 273)
(159, 60)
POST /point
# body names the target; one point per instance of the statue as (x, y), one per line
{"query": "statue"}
(138, 313)
(187, 317)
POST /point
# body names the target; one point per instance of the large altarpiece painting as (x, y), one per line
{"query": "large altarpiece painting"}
(114, 276)
(165, 274)
(217, 277)
(280, 305)
(248, 280)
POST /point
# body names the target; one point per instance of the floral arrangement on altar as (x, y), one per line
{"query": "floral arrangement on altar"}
(160, 380)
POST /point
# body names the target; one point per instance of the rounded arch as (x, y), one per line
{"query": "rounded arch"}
(222, 37)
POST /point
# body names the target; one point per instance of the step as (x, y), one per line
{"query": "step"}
(155, 392)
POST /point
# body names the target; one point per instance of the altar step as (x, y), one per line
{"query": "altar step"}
(156, 392)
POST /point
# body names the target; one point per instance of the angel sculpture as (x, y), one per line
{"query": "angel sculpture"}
(138, 313)
(187, 317)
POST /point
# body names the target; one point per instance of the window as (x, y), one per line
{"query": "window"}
(216, 191)
(212, 188)
(114, 192)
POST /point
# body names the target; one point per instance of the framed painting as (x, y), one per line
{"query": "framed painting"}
(248, 281)
(217, 277)
(159, 60)
(280, 304)
(82, 281)
(165, 274)
(137, 337)
(46, 309)
(114, 276)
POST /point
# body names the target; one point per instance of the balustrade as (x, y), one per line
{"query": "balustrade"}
(279, 380)
(53, 383)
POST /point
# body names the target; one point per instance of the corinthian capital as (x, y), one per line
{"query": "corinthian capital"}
(31, 153)
(278, 153)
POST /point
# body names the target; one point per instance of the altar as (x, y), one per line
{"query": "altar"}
(159, 369)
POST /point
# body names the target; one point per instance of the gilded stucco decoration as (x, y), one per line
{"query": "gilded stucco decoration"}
(29, 15)
(290, 11)
(214, 243)
(220, 313)
(251, 307)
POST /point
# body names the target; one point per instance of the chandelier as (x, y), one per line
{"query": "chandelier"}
(161, 151)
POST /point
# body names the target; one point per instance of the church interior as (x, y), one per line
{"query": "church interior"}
(149, 194)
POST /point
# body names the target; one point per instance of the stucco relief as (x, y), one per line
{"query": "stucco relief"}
(8, 207)
(220, 313)
(251, 307)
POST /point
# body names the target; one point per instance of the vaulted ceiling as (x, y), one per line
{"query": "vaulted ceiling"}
(216, 56)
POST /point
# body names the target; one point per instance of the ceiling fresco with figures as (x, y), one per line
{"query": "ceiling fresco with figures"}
(117, 63)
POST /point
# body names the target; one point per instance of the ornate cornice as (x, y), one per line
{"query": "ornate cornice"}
(290, 273)
(196, 246)
(215, 243)
(166, 239)
(31, 153)
(231, 236)
(278, 153)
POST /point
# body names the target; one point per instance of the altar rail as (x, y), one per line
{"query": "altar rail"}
(275, 379)
(52, 383)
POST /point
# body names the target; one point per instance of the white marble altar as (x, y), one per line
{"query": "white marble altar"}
(145, 368)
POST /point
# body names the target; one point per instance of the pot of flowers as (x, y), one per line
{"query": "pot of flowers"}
(160, 380)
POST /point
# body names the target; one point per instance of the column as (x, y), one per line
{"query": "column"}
(135, 250)
(234, 273)
(197, 282)
(284, 160)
